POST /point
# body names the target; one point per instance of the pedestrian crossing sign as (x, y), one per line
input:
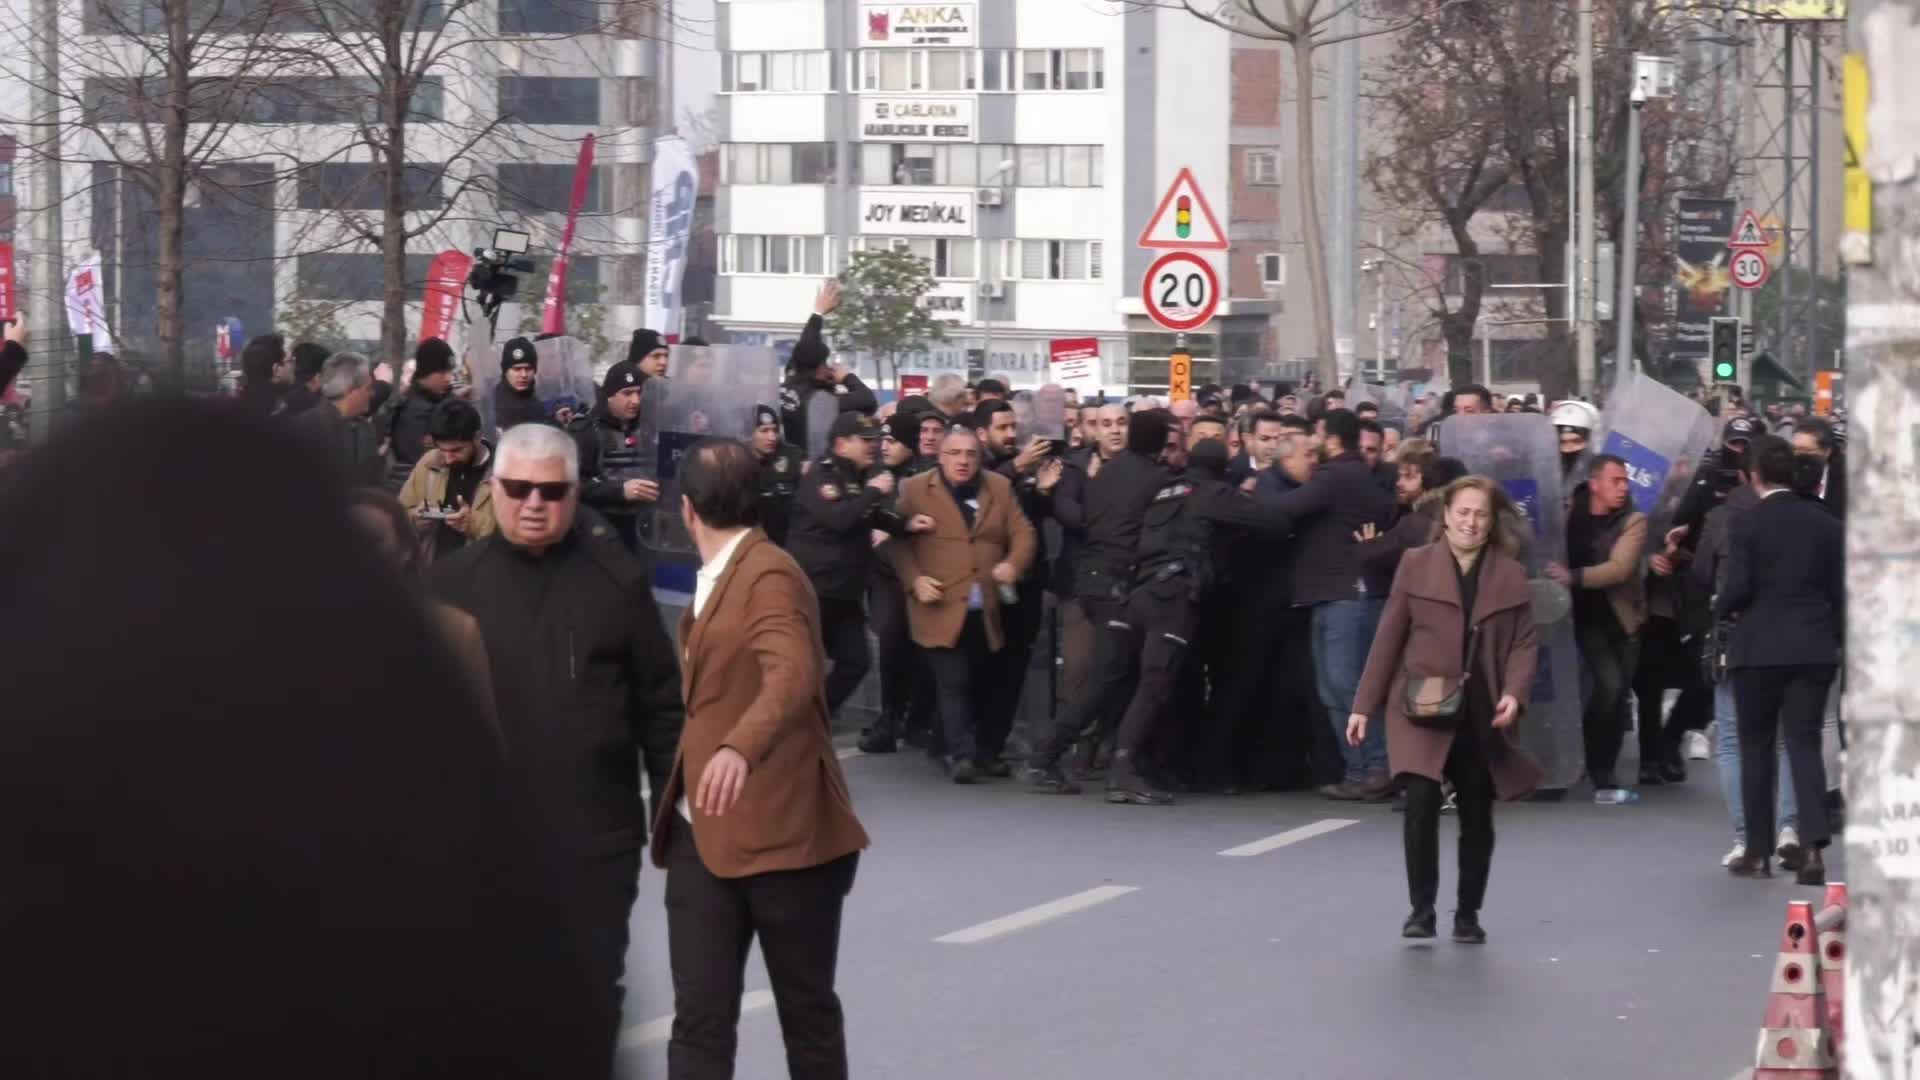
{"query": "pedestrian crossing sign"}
(1749, 234)
(1184, 221)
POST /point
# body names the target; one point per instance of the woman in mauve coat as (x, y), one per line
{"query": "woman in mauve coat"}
(1467, 577)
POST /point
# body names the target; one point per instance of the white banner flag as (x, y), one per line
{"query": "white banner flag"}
(87, 303)
(676, 184)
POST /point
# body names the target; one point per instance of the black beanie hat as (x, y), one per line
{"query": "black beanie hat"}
(620, 376)
(432, 357)
(644, 342)
(904, 426)
(1147, 431)
(1208, 455)
(519, 351)
(764, 415)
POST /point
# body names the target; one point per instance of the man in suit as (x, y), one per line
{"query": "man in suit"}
(1786, 580)
(968, 543)
(755, 825)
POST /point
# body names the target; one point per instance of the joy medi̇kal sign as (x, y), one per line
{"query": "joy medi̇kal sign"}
(917, 119)
(917, 25)
(910, 211)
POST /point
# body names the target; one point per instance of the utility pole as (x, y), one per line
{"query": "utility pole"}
(1652, 78)
(1585, 222)
(47, 278)
(1883, 544)
(1345, 181)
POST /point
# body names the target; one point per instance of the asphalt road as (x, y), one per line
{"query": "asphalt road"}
(993, 933)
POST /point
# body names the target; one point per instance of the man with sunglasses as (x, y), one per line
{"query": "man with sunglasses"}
(585, 678)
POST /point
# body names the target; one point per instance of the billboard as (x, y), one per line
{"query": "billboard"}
(917, 119)
(887, 26)
(1702, 285)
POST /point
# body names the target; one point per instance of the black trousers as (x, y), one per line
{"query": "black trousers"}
(1163, 615)
(608, 884)
(1789, 702)
(899, 659)
(843, 626)
(711, 923)
(1609, 656)
(1466, 767)
(1666, 662)
(1116, 653)
(1001, 695)
(959, 679)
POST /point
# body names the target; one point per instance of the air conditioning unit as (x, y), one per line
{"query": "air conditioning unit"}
(992, 290)
(987, 196)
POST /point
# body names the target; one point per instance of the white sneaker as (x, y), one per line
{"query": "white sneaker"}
(1697, 747)
(1739, 852)
(1788, 849)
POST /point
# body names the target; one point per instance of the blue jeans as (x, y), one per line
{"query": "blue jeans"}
(1342, 634)
(1726, 754)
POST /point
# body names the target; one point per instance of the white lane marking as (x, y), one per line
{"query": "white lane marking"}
(1291, 836)
(849, 752)
(1034, 916)
(654, 1032)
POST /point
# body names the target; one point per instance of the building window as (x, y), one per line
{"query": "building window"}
(6, 178)
(349, 276)
(257, 100)
(549, 16)
(535, 100)
(1061, 69)
(1273, 269)
(776, 72)
(1263, 168)
(777, 163)
(359, 186)
(970, 165)
(950, 258)
(1499, 270)
(940, 70)
(754, 254)
(1053, 260)
(547, 189)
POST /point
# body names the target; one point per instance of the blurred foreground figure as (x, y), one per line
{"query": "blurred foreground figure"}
(248, 824)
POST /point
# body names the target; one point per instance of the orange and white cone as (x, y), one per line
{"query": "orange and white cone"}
(1794, 1041)
(1832, 924)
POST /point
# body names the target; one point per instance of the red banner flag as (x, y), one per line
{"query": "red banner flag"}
(553, 314)
(8, 309)
(446, 283)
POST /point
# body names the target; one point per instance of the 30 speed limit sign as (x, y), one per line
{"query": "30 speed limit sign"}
(1181, 291)
(1749, 268)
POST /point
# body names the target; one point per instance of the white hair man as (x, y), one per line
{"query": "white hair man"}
(584, 676)
(338, 427)
(949, 395)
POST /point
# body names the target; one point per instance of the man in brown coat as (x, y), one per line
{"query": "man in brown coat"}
(755, 824)
(968, 544)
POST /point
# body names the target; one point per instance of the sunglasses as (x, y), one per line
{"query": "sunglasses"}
(551, 490)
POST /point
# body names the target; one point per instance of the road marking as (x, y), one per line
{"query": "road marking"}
(849, 752)
(1291, 836)
(654, 1032)
(1034, 916)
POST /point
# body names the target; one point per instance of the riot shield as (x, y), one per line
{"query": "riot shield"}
(1050, 413)
(1521, 453)
(1661, 435)
(822, 408)
(566, 373)
(711, 392)
(1022, 402)
(483, 372)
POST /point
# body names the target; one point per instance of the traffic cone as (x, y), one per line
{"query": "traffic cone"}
(1832, 924)
(1794, 1043)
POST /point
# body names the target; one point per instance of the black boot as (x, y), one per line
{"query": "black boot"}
(879, 739)
(1126, 785)
(1423, 923)
(1049, 780)
(1467, 929)
(1814, 871)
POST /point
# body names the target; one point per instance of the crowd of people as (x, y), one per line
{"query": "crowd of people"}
(1255, 589)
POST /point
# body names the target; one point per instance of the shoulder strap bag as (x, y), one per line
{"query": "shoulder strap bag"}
(1436, 701)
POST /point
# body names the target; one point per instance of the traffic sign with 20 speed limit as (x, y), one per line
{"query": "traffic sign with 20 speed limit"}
(1181, 291)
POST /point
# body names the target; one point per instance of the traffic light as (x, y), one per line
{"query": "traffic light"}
(1724, 348)
(1183, 217)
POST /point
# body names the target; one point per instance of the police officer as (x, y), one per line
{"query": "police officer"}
(840, 502)
(905, 684)
(780, 468)
(616, 477)
(810, 374)
(1116, 502)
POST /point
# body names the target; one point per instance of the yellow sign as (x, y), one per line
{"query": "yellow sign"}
(1776, 233)
(1179, 377)
(1858, 217)
(1795, 10)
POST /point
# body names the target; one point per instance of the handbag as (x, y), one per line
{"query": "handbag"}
(1435, 701)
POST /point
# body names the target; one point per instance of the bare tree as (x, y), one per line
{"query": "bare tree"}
(155, 88)
(1305, 26)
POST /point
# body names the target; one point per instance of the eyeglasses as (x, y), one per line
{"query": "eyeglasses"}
(550, 490)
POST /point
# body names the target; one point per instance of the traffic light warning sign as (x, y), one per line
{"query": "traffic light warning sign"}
(1184, 221)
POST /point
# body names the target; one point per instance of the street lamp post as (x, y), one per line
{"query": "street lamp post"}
(984, 294)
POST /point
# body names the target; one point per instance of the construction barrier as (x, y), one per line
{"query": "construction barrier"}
(1795, 1043)
(1832, 925)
